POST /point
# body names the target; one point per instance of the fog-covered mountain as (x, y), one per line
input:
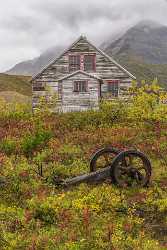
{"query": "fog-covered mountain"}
(31, 67)
(146, 42)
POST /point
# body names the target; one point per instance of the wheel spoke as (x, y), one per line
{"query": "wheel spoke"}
(141, 168)
(123, 168)
(124, 162)
(106, 158)
(139, 177)
(132, 169)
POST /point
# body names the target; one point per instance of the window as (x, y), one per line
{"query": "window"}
(80, 86)
(38, 86)
(113, 87)
(74, 63)
(89, 62)
(84, 62)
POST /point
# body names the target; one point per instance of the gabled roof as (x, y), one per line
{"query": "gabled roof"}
(99, 50)
(80, 72)
(112, 60)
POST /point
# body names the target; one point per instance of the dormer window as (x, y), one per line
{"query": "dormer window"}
(74, 63)
(82, 62)
(89, 63)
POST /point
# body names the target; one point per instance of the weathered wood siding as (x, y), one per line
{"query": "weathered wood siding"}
(105, 69)
(72, 101)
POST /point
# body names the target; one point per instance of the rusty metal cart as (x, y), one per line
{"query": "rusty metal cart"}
(124, 168)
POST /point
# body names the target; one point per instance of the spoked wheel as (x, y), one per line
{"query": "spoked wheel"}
(131, 168)
(103, 158)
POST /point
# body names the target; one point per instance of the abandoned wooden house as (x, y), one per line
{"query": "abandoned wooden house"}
(80, 77)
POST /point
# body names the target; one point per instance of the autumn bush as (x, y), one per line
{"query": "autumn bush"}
(36, 148)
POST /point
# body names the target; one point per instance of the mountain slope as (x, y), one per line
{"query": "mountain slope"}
(31, 67)
(143, 51)
(145, 71)
(146, 41)
(20, 84)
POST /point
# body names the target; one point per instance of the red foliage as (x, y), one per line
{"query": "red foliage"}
(2, 158)
(128, 227)
(163, 183)
(24, 175)
(42, 192)
(137, 198)
(33, 243)
(64, 218)
(110, 230)
(28, 216)
(86, 220)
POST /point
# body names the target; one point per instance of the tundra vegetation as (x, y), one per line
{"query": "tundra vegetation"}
(34, 149)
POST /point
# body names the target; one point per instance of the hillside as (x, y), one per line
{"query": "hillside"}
(31, 67)
(144, 71)
(15, 97)
(20, 84)
(143, 51)
(146, 41)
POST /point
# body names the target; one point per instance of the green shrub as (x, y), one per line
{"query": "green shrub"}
(69, 153)
(14, 110)
(8, 146)
(32, 142)
(46, 215)
(108, 114)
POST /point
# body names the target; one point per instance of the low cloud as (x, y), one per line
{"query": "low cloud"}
(29, 27)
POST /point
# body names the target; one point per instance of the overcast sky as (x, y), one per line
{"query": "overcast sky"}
(29, 27)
